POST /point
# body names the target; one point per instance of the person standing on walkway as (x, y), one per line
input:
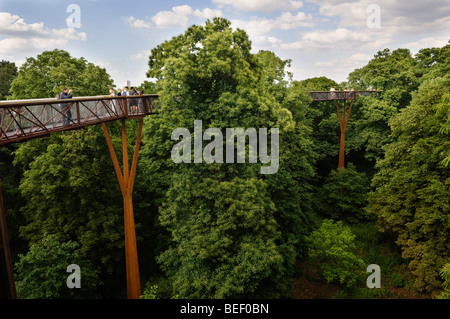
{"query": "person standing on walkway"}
(65, 107)
(113, 103)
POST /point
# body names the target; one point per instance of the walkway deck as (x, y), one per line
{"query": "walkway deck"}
(22, 120)
(339, 95)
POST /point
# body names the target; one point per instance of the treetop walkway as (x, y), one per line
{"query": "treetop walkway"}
(334, 95)
(25, 119)
(341, 98)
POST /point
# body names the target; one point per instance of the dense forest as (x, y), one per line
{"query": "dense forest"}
(224, 230)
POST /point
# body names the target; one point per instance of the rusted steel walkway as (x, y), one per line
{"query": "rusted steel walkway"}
(342, 110)
(25, 119)
(333, 95)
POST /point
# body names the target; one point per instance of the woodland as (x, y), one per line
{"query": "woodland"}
(224, 230)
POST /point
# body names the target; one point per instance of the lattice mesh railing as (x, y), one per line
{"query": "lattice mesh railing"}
(31, 118)
(339, 95)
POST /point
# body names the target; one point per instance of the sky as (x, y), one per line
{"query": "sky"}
(321, 37)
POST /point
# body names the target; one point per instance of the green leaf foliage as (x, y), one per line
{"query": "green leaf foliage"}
(232, 232)
(445, 275)
(77, 199)
(46, 75)
(343, 195)
(8, 71)
(42, 272)
(224, 236)
(412, 187)
(333, 248)
(224, 230)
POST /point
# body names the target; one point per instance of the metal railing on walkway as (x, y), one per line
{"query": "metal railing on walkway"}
(25, 119)
(339, 95)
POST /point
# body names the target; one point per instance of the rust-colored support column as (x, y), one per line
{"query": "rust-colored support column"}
(126, 182)
(343, 121)
(341, 163)
(7, 285)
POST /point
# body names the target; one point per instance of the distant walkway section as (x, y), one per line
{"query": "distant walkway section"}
(333, 95)
(22, 120)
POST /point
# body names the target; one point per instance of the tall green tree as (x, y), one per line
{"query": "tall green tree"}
(8, 71)
(432, 62)
(343, 195)
(390, 72)
(411, 189)
(333, 247)
(369, 130)
(444, 110)
(46, 75)
(225, 221)
(70, 191)
(445, 275)
(42, 272)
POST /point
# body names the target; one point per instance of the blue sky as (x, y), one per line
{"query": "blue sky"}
(322, 37)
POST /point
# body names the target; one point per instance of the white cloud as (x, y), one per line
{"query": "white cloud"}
(340, 38)
(326, 64)
(10, 24)
(183, 10)
(429, 42)
(259, 30)
(68, 34)
(263, 42)
(350, 13)
(138, 23)
(287, 21)
(395, 15)
(208, 13)
(177, 17)
(261, 5)
(360, 57)
(10, 46)
(169, 19)
(139, 56)
(20, 37)
(345, 63)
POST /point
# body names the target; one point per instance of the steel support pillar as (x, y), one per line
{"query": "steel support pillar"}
(343, 116)
(7, 285)
(126, 182)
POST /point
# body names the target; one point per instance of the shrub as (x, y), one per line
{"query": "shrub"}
(445, 275)
(343, 195)
(333, 247)
(42, 272)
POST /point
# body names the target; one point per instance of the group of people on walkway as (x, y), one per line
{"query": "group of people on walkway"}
(125, 92)
(134, 103)
(346, 94)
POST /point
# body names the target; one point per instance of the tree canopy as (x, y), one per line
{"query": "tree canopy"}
(46, 75)
(213, 228)
(412, 192)
(8, 71)
(208, 73)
